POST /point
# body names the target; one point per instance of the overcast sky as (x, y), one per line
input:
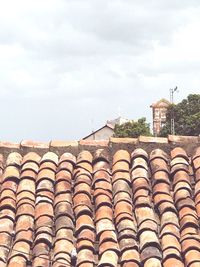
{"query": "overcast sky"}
(67, 66)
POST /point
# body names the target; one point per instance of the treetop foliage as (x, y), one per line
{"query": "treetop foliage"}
(186, 117)
(133, 129)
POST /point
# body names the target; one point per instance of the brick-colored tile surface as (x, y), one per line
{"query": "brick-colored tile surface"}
(100, 209)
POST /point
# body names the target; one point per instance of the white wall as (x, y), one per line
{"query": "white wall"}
(103, 134)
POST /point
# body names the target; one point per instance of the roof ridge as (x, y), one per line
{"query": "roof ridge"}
(76, 146)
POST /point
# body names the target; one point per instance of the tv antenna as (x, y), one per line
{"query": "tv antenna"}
(172, 91)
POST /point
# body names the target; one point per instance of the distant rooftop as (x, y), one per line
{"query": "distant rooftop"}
(161, 103)
(118, 120)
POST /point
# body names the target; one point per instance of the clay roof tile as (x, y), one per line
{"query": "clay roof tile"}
(179, 152)
(14, 158)
(144, 213)
(49, 156)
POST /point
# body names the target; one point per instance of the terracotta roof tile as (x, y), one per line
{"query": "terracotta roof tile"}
(126, 209)
(85, 256)
(179, 152)
(14, 159)
(168, 262)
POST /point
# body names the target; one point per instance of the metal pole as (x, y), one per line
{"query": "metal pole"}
(172, 112)
(171, 101)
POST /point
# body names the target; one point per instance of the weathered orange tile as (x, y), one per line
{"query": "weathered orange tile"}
(103, 185)
(63, 246)
(14, 158)
(122, 217)
(95, 143)
(48, 165)
(46, 174)
(102, 200)
(109, 256)
(50, 156)
(108, 245)
(31, 157)
(82, 188)
(103, 212)
(148, 237)
(121, 155)
(63, 197)
(178, 152)
(17, 261)
(122, 196)
(131, 263)
(192, 256)
(120, 166)
(123, 207)
(63, 175)
(5, 239)
(62, 187)
(25, 209)
(151, 252)
(62, 208)
(87, 234)
(85, 256)
(84, 156)
(126, 224)
(83, 209)
(119, 175)
(82, 199)
(84, 222)
(121, 186)
(170, 240)
(130, 255)
(62, 222)
(128, 243)
(84, 244)
(29, 169)
(100, 191)
(104, 224)
(172, 261)
(138, 152)
(101, 175)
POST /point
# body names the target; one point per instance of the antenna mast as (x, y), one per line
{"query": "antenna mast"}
(172, 112)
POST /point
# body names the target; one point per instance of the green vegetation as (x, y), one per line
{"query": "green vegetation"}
(186, 116)
(133, 129)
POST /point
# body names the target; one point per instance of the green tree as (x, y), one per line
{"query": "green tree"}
(186, 117)
(133, 129)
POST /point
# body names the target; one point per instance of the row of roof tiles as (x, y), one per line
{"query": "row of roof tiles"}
(134, 210)
(64, 144)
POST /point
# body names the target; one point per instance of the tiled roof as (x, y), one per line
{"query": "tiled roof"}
(130, 207)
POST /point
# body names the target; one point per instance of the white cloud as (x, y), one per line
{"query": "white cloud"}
(70, 61)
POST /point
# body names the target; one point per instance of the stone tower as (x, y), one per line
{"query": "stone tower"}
(159, 110)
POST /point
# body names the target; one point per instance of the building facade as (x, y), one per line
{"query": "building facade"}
(159, 111)
(103, 133)
(107, 131)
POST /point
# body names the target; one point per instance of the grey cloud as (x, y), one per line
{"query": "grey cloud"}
(64, 63)
(86, 23)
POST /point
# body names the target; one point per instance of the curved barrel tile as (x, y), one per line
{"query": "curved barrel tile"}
(24, 229)
(8, 206)
(64, 217)
(100, 210)
(123, 210)
(163, 201)
(104, 217)
(189, 224)
(44, 210)
(147, 221)
(82, 202)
